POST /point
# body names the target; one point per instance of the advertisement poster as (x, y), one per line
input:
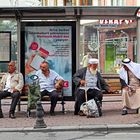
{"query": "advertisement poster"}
(52, 44)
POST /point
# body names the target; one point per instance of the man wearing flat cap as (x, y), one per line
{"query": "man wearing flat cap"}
(90, 78)
(130, 81)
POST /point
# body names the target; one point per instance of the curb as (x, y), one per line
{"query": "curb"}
(101, 128)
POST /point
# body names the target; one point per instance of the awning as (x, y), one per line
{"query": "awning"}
(92, 12)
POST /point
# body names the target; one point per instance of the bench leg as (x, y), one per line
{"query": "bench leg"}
(62, 103)
(18, 106)
(63, 108)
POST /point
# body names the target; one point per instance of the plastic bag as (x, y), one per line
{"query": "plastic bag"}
(90, 108)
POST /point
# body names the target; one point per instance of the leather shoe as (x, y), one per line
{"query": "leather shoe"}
(1, 115)
(52, 113)
(100, 112)
(124, 112)
(12, 116)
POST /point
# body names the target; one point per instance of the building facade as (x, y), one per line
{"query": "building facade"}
(90, 2)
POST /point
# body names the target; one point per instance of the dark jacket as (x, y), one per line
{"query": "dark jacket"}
(80, 75)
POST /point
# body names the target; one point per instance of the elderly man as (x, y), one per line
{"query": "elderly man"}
(130, 81)
(90, 78)
(11, 85)
(51, 83)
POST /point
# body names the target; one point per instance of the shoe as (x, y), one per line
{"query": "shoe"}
(75, 113)
(100, 112)
(1, 115)
(28, 113)
(124, 112)
(12, 116)
(52, 113)
(138, 111)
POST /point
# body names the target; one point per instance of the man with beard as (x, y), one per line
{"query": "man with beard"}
(90, 78)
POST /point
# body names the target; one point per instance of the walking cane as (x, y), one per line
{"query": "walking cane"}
(86, 99)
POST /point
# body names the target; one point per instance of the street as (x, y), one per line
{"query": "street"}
(71, 135)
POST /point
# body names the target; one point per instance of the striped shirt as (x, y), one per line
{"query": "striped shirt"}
(48, 83)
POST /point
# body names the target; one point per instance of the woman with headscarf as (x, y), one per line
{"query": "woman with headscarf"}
(130, 81)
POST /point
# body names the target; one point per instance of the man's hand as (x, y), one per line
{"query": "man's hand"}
(59, 85)
(13, 90)
(82, 82)
(126, 88)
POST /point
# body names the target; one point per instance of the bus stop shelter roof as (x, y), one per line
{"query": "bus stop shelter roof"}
(92, 12)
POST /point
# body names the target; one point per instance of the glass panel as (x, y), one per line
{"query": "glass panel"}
(108, 40)
(9, 26)
(89, 2)
(68, 2)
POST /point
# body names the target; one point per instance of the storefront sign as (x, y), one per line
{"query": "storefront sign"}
(115, 21)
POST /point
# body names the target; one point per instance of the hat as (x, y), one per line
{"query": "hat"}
(126, 60)
(93, 61)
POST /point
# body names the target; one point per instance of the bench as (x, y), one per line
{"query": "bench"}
(45, 100)
(24, 97)
(115, 85)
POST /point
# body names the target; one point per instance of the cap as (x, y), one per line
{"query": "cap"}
(93, 61)
(126, 60)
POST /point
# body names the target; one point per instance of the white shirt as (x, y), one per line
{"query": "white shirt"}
(47, 83)
(8, 85)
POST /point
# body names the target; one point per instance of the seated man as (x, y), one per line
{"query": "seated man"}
(130, 81)
(51, 84)
(90, 78)
(11, 85)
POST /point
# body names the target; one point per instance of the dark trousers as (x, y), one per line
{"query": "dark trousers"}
(91, 94)
(15, 98)
(53, 97)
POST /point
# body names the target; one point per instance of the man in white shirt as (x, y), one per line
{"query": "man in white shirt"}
(51, 83)
(11, 85)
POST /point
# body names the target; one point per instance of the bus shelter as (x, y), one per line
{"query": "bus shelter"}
(64, 35)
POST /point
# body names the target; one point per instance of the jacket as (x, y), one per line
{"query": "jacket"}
(80, 75)
(16, 81)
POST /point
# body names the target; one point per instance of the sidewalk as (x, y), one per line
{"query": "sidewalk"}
(111, 118)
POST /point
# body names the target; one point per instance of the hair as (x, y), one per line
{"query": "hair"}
(45, 62)
(13, 63)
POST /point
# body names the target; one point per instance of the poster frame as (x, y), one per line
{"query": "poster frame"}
(51, 23)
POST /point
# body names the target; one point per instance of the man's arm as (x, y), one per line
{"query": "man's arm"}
(78, 77)
(104, 85)
(20, 84)
(2, 82)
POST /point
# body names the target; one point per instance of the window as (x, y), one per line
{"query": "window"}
(117, 2)
(5, 45)
(107, 43)
(85, 2)
(67, 2)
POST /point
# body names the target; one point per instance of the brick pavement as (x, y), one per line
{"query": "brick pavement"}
(111, 115)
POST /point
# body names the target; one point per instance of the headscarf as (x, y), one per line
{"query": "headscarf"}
(132, 66)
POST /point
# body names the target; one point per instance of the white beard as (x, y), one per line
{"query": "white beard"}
(93, 71)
